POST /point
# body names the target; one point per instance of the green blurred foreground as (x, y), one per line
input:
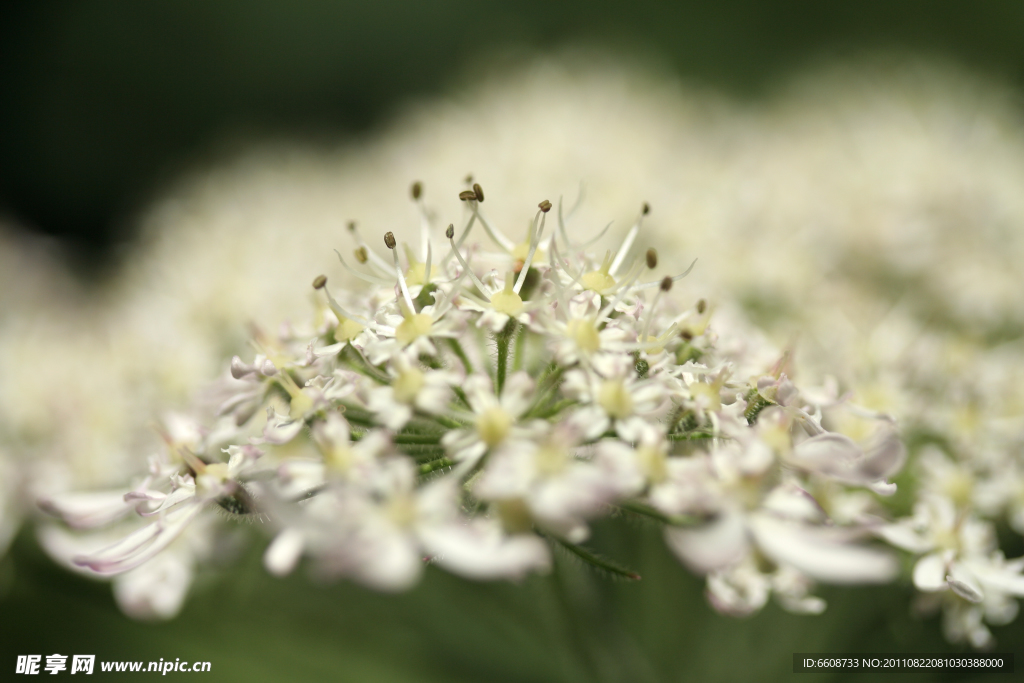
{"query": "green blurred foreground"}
(572, 625)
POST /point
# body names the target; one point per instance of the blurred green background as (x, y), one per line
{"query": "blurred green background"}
(103, 102)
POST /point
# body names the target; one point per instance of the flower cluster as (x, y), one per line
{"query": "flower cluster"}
(473, 408)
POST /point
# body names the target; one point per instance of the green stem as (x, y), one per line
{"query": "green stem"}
(517, 363)
(358, 416)
(595, 560)
(433, 465)
(456, 348)
(430, 439)
(423, 453)
(503, 339)
(692, 436)
(652, 513)
(361, 364)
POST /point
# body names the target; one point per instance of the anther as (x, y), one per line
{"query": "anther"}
(479, 192)
(702, 306)
(545, 206)
(417, 190)
(467, 195)
(469, 179)
(645, 209)
(666, 283)
(652, 258)
(351, 226)
(319, 282)
(450, 232)
(361, 255)
(389, 240)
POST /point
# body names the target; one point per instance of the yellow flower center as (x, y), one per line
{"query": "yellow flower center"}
(584, 334)
(407, 385)
(615, 399)
(339, 458)
(507, 302)
(653, 463)
(413, 327)
(347, 330)
(493, 426)
(515, 516)
(551, 460)
(711, 393)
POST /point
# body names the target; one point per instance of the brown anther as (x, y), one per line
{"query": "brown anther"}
(469, 179)
(702, 306)
(666, 283)
(479, 192)
(361, 255)
(417, 190)
(652, 258)
(467, 195)
(389, 240)
(319, 282)
(545, 206)
(450, 232)
(351, 226)
(645, 209)
(686, 334)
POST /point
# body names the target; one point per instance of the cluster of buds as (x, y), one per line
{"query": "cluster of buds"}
(474, 408)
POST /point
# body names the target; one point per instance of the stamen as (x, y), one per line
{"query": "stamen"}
(342, 314)
(417, 196)
(594, 240)
(499, 238)
(319, 281)
(620, 256)
(652, 258)
(426, 267)
(389, 241)
(622, 291)
(374, 256)
(656, 283)
(479, 191)
(365, 277)
(465, 266)
(562, 219)
(462, 238)
(665, 286)
(534, 241)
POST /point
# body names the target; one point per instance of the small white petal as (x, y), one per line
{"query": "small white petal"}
(930, 573)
